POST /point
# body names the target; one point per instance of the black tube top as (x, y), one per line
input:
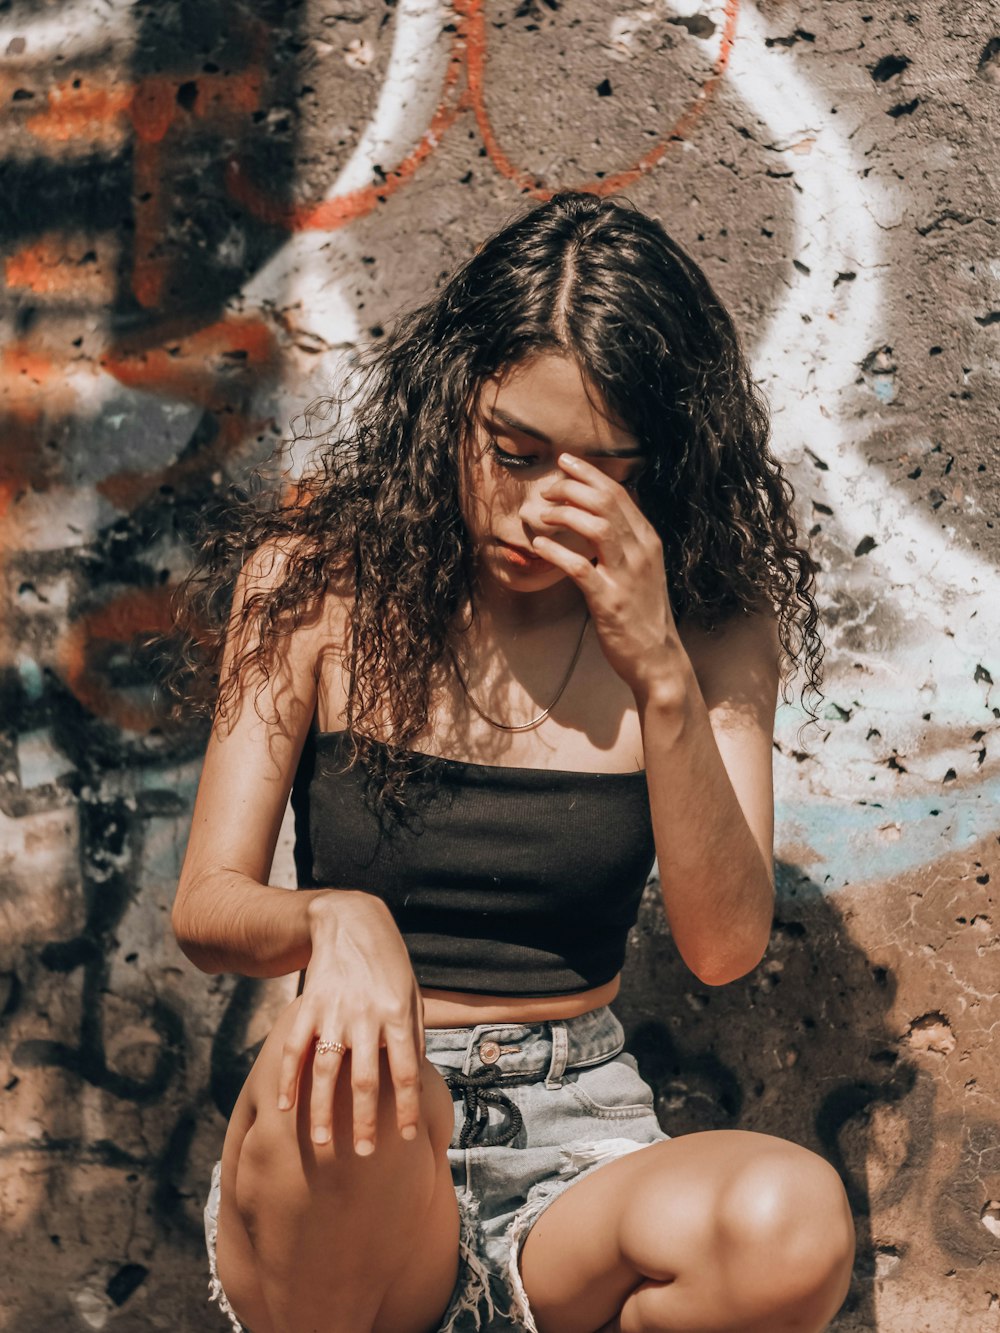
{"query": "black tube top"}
(519, 881)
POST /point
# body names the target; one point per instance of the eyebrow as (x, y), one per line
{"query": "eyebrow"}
(538, 435)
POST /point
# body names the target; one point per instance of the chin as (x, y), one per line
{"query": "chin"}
(528, 578)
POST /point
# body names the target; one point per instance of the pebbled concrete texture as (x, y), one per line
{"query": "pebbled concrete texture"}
(205, 208)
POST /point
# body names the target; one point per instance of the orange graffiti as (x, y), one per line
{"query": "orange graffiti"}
(26, 380)
(155, 112)
(469, 52)
(57, 265)
(209, 367)
(75, 109)
(100, 633)
(473, 17)
(21, 464)
(201, 367)
(21, 359)
(83, 111)
(24, 372)
(205, 367)
(334, 213)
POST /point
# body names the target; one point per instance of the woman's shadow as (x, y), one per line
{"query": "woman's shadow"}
(799, 1048)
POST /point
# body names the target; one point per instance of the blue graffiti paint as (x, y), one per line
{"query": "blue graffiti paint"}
(852, 842)
(31, 677)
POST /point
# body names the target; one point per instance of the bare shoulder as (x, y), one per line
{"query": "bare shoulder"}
(272, 563)
(314, 635)
(737, 664)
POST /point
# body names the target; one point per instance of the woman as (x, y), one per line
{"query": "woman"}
(520, 630)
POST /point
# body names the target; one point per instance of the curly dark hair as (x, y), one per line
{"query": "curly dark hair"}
(378, 506)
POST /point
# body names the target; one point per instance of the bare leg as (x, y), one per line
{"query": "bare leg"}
(313, 1238)
(718, 1232)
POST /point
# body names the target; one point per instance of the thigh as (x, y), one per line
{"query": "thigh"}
(375, 1238)
(656, 1213)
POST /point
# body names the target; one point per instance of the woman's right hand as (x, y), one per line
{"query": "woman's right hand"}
(359, 990)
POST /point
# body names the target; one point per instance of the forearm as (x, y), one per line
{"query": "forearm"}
(716, 881)
(228, 922)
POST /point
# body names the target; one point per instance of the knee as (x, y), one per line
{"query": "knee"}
(789, 1206)
(281, 1138)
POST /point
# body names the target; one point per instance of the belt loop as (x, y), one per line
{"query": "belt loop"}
(470, 1050)
(560, 1054)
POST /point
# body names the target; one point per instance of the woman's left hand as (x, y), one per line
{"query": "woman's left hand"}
(626, 585)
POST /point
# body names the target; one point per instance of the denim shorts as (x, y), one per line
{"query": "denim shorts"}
(538, 1106)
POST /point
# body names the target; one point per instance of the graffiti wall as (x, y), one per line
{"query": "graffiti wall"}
(203, 209)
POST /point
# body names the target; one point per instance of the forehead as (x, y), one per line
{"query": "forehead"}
(549, 393)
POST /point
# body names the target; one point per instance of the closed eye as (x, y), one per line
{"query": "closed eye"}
(510, 460)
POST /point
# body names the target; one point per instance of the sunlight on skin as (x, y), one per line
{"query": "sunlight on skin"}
(503, 499)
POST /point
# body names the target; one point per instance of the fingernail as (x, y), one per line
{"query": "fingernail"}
(284, 1102)
(321, 1135)
(409, 1132)
(364, 1147)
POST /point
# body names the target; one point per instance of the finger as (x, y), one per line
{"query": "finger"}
(586, 473)
(566, 490)
(578, 567)
(298, 1040)
(326, 1067)
(364, 1085)
(404, 1066)
(619, 499)
(597, 529)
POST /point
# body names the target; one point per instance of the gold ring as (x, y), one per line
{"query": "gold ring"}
(324, 1047)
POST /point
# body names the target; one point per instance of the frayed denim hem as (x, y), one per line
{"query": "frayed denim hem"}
(215, 1291)
(472, 1286)
(473, 1283)
(578, 1160)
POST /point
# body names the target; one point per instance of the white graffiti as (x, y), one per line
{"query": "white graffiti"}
(933, 592)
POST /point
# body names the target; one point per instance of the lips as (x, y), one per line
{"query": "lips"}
(519, 555)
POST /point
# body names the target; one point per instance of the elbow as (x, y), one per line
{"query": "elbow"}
(722, 966)
(722, 973)
(185, 934)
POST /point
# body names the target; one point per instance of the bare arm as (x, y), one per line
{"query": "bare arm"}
(706, 707)
(707, 722)
(360, 988)
(225, 916)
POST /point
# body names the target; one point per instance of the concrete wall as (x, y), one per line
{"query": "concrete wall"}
(203, 206)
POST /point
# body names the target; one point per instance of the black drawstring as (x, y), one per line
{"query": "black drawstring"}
(480, 1095)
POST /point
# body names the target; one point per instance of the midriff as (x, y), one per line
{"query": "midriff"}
(454, 1009)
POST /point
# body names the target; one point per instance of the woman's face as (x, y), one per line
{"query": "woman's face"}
(537, 411)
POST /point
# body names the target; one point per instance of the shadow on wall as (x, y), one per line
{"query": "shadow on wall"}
(124, 1063)
(95, 1188)
(801, 1048)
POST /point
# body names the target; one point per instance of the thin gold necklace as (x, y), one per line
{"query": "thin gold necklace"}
(524, 726)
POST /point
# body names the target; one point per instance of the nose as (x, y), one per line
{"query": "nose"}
(532, 504)
(534, 525)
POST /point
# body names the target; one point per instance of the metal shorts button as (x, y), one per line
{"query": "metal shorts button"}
(491, 1051)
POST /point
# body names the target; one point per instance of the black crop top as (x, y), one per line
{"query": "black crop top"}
(518, 881)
